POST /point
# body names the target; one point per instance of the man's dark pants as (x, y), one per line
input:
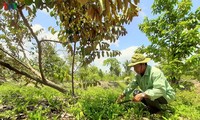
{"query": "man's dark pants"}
(153, 106)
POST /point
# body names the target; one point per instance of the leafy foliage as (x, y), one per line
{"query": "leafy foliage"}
(88, 76)
(186, 102)
(191, 64)
(54, 66)
(127, 70)
(88, 22)
(86, 27)
(30, 102)
(114, 66)
(174, 35)
(97, 103)
(94, 103)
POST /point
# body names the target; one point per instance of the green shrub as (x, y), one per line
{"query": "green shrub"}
(187, 105)
(97, 104)
(32, 102)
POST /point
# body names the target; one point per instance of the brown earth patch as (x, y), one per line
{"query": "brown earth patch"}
(196, 85)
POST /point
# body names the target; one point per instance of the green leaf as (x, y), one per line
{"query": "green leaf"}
(38, 3)
(98, 54)
(53, 31)
(52, 13)
(28, 2)
(102, 53)
(83, 51)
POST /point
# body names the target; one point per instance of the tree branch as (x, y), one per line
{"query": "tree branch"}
(13, 58)
(18, 71)
(38, 42)
(27, 62)
(48, 83)
(45, 40)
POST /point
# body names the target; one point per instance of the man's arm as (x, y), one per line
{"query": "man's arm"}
(158, 89)
(127, 90)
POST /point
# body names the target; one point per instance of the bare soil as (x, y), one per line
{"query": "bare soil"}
(196, 85)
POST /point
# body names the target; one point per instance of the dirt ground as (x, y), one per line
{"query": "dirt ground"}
(196, 85)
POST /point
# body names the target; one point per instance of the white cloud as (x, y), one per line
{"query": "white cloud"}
(44, 34)
(126, 55)
(37, 27)
(98, 62)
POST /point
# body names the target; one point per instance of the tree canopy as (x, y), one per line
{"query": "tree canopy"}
(86, 27)
(174, 36)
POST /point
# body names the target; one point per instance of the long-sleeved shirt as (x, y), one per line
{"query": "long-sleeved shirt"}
(153, 83)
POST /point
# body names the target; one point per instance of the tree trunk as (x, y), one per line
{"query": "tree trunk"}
(73, 94)
(32, 77)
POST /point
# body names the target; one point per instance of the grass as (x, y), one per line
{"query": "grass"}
(27, 102)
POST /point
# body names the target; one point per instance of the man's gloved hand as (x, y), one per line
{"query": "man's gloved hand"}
(138, 97)
(119, 99)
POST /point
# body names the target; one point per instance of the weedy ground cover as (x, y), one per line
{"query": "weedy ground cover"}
(27, 102)
(95, 103)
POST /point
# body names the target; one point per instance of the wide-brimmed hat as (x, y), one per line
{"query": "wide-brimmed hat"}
(137, 59)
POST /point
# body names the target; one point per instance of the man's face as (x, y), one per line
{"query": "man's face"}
(138, 68)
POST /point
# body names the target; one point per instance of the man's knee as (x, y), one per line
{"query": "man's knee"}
(162, 100)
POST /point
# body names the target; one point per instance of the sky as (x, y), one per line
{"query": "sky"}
(126, 44)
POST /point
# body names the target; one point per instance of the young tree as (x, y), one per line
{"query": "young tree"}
(88, 75)
(174, 35)
(127, 69)
(55, 68)
(114, 66)
(192, 65)
(15, 34)
(101, 74)
(90, 24)
(85, 25)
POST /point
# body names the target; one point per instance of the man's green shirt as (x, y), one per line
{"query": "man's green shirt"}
(153, 83)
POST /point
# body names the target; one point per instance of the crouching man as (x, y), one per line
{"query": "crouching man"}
(155, 89)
